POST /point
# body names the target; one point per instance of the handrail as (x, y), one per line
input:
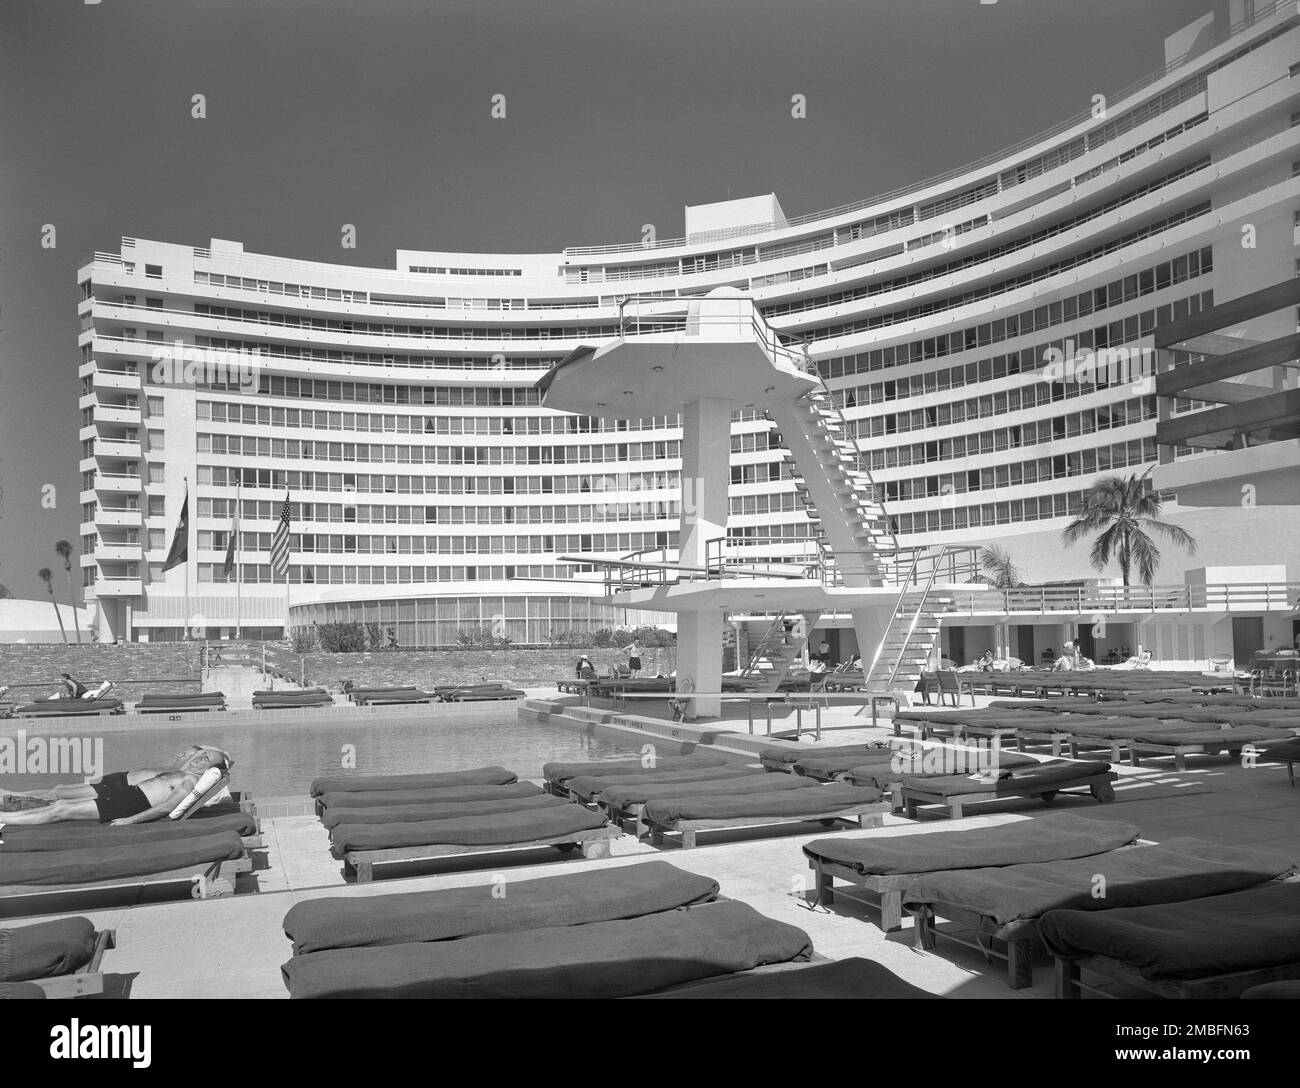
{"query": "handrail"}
(866, 673)
(915, 617)
(762, 642)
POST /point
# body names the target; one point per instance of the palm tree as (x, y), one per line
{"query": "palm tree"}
(46, 576)
(1125, 512)
(1000, 570)
(65, 553)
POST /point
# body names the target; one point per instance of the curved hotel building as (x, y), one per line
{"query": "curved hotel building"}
(430, 490)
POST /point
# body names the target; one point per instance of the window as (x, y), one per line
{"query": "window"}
(157, 506)
(153, 271)
(157, 539)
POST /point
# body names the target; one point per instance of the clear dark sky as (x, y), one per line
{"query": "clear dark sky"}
(619, 113)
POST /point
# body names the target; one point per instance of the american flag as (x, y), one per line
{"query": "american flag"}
(280, 541)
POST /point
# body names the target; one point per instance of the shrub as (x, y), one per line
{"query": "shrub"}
(342, 638)
(303, 640)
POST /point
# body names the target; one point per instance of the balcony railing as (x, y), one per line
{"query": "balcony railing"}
(1109, 600)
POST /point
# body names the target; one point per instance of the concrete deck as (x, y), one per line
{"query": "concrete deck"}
(243, 943)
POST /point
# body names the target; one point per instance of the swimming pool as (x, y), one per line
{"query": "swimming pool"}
(279, 758)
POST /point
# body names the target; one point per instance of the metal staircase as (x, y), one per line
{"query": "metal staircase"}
(912, 632)
(839, 494)
(772, 656)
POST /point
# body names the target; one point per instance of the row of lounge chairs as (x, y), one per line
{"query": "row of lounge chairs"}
(192, 703)
(943, 779)
(1092, 683)
(628, 931)
(45, 869)
(1160, 729)
(444, 693)
(684, 795)
(381, 820)
(1182, 917)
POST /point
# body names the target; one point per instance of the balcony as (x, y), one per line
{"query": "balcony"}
(117, 447)
(114, 483)
(118, 586)
(112, 379)
(117, 552)
(106, 516)
(126, 415)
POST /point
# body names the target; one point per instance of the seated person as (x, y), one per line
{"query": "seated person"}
(123, 797)
(585, 669)
(1067, 661)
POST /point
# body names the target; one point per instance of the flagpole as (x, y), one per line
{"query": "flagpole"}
(187, 556)
(239, 574)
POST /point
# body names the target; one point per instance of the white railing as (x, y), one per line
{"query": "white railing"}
(1083, 600)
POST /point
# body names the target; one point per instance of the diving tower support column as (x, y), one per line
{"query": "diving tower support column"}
(706, 477)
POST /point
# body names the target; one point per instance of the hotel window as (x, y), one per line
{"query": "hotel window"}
(153, 271)
(157, 506)
(156, 572)
(157, 474)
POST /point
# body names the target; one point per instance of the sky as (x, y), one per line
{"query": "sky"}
(618, 113)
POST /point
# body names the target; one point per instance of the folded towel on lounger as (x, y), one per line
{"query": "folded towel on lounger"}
(1054, 837)
(790, 805)
(398, 814)
(102, 863)
(600, 960)
(83, 836)
(385, 798)
(1173, 870)
(560, 773)
(494, 829)
(639, 793)
(370, 783)
(588, 786)
(602, 895)
(46, 948)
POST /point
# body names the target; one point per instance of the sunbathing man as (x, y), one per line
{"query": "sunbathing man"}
(123, 797)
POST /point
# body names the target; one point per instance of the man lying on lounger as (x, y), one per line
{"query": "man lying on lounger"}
(123, 797)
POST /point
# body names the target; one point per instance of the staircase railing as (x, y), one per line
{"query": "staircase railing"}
(898, 604)
(920, 606)
(762, 644)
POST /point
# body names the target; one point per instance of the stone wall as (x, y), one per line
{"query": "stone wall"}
(31, 670)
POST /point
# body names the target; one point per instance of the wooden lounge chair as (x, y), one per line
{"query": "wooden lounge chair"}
(1044, 781)
(593, 844)
(87, 979)
(1180, 950)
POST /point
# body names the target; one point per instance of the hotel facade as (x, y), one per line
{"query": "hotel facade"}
(989, 337)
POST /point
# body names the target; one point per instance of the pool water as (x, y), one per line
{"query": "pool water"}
(280, 758)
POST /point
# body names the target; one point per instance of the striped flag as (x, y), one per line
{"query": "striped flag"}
(180, 550)
(229, 565)
(280, 541)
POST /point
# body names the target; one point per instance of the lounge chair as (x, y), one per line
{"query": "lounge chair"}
(586, 788)
(854, 979)
(1043, 780)
(1002, 905)
(370, 783)
(289, 700)
(63, 957)
(784, 759)
(84, 836)
(887, 866)
(1213, 947)
(407, 697)
(824, 804)
(558, 775)
(414, 812)
(1202, 742)
(623, 800)
(363, 846)
(1288, 753)
(620, 958)
(600, 895)
(193, 703)
(204, 867)
(937, 762)
(79, 708)
(335, 802)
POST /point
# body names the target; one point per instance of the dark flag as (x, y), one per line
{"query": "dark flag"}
(180, 549)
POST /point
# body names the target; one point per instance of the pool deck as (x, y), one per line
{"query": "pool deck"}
(243, 944)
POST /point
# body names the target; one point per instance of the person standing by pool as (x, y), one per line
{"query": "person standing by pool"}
(633, 652)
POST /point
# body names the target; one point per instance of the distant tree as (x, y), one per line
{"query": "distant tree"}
(46, 576)
(1124, 513)
(65, 553)
(998, 568)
